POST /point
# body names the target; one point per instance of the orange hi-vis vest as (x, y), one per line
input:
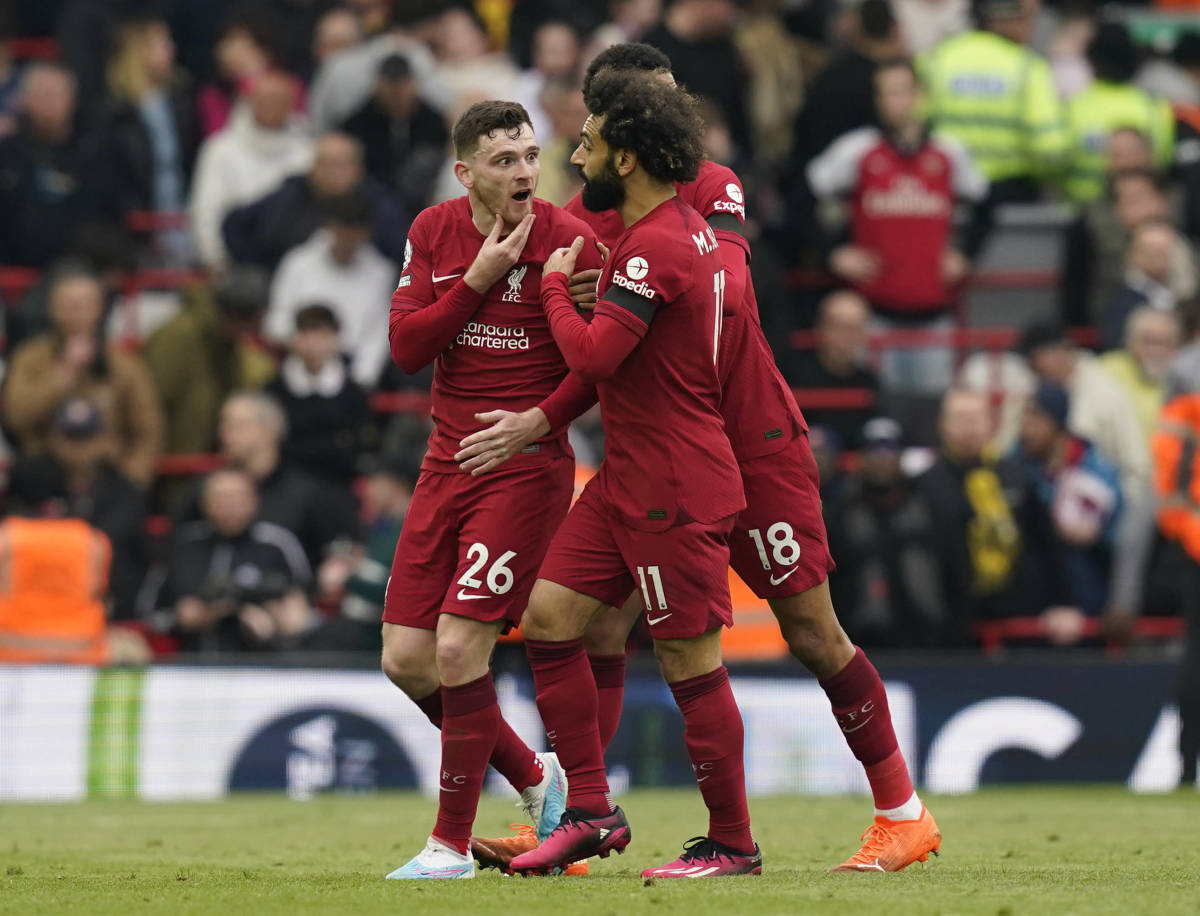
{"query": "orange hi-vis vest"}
(1175, 448)
(53, 577)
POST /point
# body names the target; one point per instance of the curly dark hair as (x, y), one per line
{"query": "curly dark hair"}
(485, 119)
(660, 123)
(629, 55)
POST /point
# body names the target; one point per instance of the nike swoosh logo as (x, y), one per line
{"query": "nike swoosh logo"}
(776, 581)
(465, 597)
(437, 279)
(862, 724)
(702, 778)
(653, 620)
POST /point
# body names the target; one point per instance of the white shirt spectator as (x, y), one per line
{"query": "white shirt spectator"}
(359, 292)
(238, 165)
(344, 82)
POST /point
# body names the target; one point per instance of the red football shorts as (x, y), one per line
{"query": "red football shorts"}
(779, 546)
(681, 573)
(471, 546)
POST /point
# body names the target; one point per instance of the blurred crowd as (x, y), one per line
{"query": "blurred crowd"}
(205, 211)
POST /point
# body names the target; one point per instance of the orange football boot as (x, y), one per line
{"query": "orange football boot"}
(500, 851)
(894, 845)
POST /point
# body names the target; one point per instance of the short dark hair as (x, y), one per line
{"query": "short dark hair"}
(317, 317)
(394, 68)
(1112, 54)
(350, 209)
(484, 119)
(876, 19)
(660, 123)
(628, 55)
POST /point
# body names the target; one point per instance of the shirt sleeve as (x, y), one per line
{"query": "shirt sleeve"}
(969, 183)
(594, 350)
(570, 400)
(737, 273)
(421, 325)
(835, 171)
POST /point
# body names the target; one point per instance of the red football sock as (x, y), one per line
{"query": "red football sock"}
(609, 673)
(861, 708)
(567, 701)
(513, 759)
(712, 729)
(470, 723)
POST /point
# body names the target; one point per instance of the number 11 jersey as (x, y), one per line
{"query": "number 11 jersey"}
(667, 458)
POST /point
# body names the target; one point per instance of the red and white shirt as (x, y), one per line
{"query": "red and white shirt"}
(901, 209)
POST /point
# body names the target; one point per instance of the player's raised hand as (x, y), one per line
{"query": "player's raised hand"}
(508, 433)
(583, 283)
(496, 257)
(562, 261)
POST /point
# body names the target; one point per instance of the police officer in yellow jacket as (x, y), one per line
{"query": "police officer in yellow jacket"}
(1112, 103)
(995, 95)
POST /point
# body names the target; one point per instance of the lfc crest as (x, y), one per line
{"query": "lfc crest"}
(516, 277)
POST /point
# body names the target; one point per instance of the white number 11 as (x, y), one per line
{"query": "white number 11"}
(719, 293)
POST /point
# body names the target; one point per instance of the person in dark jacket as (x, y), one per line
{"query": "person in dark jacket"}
(234, 581)
(328, 417)
(251, 431)
(54, 176)
(148, 123)
(836, 363)
(262, 232)
(403, 139)
(993, 535)
(842, 97)
(883, 533)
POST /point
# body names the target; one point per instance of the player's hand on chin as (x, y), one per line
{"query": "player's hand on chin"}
(496, 257)
(508, 434)
(583, 283)
(562, 260)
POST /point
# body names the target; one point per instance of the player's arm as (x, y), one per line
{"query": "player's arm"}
(594, 350)
(510, 432)
(737, 272)
(720, 198)
(422, 327)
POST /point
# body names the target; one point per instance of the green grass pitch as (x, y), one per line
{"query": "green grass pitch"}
(1042, 851)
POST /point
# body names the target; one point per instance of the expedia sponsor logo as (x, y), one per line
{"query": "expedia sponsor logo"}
(906, 197)
(642, 288)
(729, 206)
(492, 337)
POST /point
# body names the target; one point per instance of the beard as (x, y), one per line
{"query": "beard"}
(605, 192)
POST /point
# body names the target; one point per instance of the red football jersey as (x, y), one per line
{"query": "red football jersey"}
(902, 210)
(498, 353)
(666, 456)
(760, 414)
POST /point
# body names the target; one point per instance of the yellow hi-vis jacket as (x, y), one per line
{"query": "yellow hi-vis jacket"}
(1098, 111)
(997, 98)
